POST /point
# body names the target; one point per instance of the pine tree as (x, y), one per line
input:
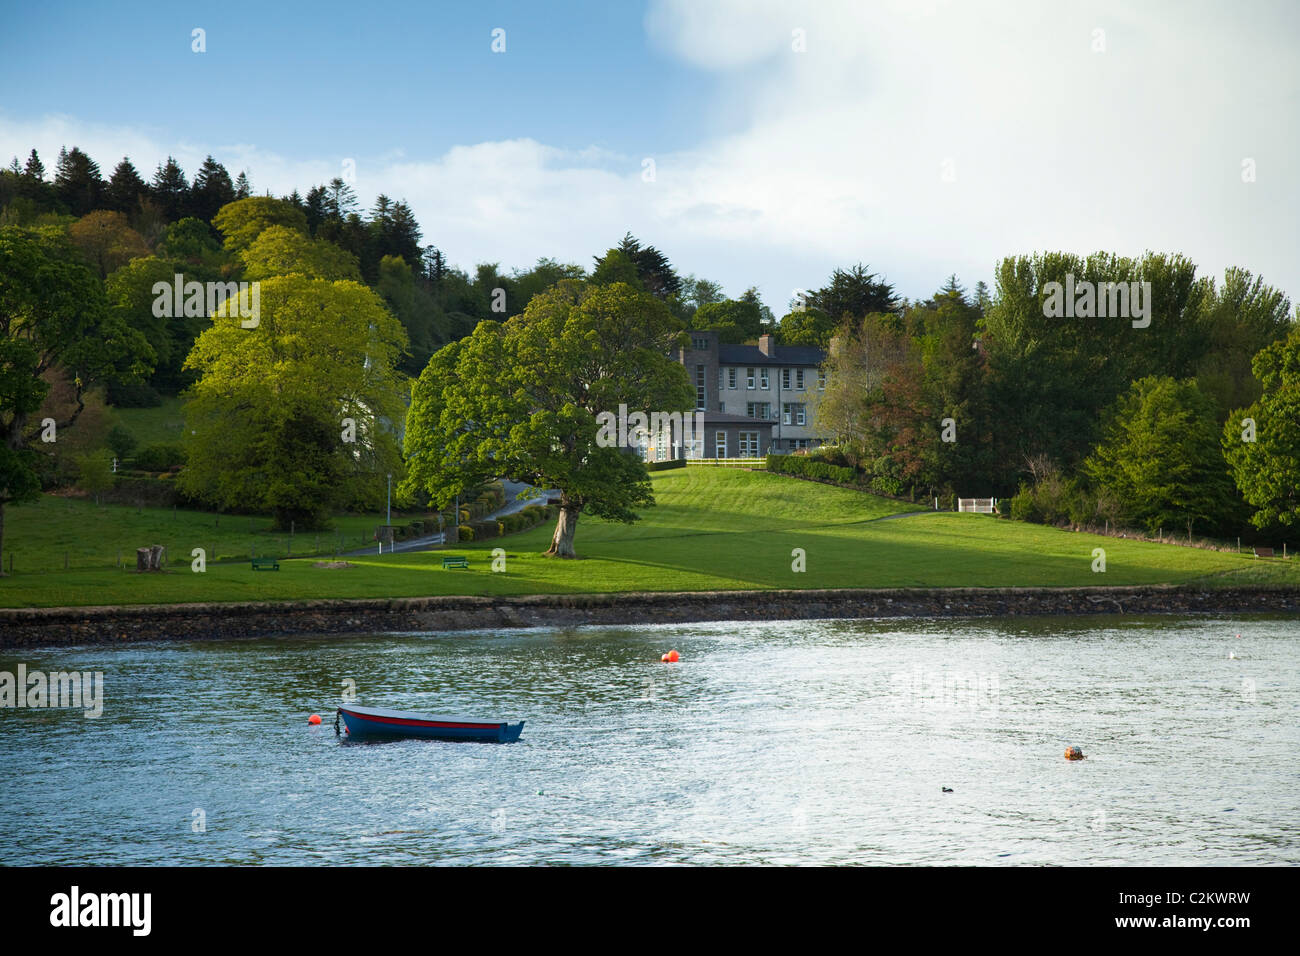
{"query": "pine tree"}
(77, 181)
(242, 189)
(212, 189)
(315, 208)
(170, 190)
(35, 169)
(125, 187)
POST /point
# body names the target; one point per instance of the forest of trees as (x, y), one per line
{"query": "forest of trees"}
(1082, 420)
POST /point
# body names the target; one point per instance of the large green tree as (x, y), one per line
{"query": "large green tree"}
(520, 400)
(1159, 456)
(53, 316)
(266, 422)
(1264, 453)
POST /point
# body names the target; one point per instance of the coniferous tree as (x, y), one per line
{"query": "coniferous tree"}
(170, 190)
(34, 169)
(242, 189)
(212, 189)
(125, 187)
(77, 181)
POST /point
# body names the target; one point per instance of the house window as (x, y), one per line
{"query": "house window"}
(720, 444)
(785, 378)
(749, 444)
(749, 378)
(731, 378)
(798, 379)
(699, 389)
(762, 379)
(759, 410)
(798, 415)
(792, 413)
(720, 378)
(785, 413)
(700, 344)
(722, 407)
(821, 380)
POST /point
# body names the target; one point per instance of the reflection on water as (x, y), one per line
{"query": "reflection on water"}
(773, 742)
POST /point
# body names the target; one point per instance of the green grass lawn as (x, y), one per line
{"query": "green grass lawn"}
(164, 425)
(713, 529)
(40, 536)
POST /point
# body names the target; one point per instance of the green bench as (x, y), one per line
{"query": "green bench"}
(455, 563)
(266, 564)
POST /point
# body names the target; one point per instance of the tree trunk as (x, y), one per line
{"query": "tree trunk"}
(2, 540)
(565, 526)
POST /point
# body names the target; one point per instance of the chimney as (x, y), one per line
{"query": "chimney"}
(765, 345)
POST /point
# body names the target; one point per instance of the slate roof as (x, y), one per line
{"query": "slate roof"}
(781, 355)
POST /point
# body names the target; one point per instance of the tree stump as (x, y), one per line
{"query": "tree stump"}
(150, 559)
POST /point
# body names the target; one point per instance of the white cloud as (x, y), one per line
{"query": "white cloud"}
(842, 151)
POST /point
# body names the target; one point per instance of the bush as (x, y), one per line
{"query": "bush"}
(1024, 507)
(466, 533)
(485, 529)
(884, 485)
(159, 457)
(803, 466)
(665, 465)
(121, 442)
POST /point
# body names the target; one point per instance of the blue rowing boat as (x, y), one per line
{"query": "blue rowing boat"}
(380, 722)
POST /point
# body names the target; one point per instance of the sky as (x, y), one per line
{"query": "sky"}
(755, 142)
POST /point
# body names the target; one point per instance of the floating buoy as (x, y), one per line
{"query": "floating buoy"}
(1073, 753)
(314, 719)
(663, 658)
(673, 657)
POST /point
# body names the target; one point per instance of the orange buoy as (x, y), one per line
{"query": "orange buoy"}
(314, 719)
(1073, 753)
(674, 657)
(664, 658)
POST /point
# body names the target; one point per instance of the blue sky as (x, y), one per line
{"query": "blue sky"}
(923, 137)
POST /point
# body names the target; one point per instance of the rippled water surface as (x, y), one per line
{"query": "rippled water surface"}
(785, 742)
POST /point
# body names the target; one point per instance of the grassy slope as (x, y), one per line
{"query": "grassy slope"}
(713, 529)
(40, 534)
(163, 425)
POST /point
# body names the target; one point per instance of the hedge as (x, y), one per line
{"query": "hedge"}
(665, 465)
(805, 467)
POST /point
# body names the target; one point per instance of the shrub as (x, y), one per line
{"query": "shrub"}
(803, 466)
(884, 485)
(665, 465)
(121, 441)
(1024, 507)
(159, 457)
(466, 533)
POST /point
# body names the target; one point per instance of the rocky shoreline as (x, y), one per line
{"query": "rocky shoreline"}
(46, 627)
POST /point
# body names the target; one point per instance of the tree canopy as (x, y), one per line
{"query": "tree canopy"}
(520, 399)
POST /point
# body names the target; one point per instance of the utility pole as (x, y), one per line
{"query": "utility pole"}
(389, 519)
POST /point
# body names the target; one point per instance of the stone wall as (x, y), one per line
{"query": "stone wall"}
(24, 627)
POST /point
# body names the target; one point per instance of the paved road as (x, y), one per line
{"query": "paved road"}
(513, 503)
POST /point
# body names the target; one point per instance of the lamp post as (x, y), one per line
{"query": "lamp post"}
(389, 520)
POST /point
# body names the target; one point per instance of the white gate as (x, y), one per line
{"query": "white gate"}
(982, 506)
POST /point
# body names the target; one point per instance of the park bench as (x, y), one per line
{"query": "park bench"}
(455, 563)
(266, 564)
(1263, 552)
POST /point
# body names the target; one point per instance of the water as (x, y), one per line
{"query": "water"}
(773, 742)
